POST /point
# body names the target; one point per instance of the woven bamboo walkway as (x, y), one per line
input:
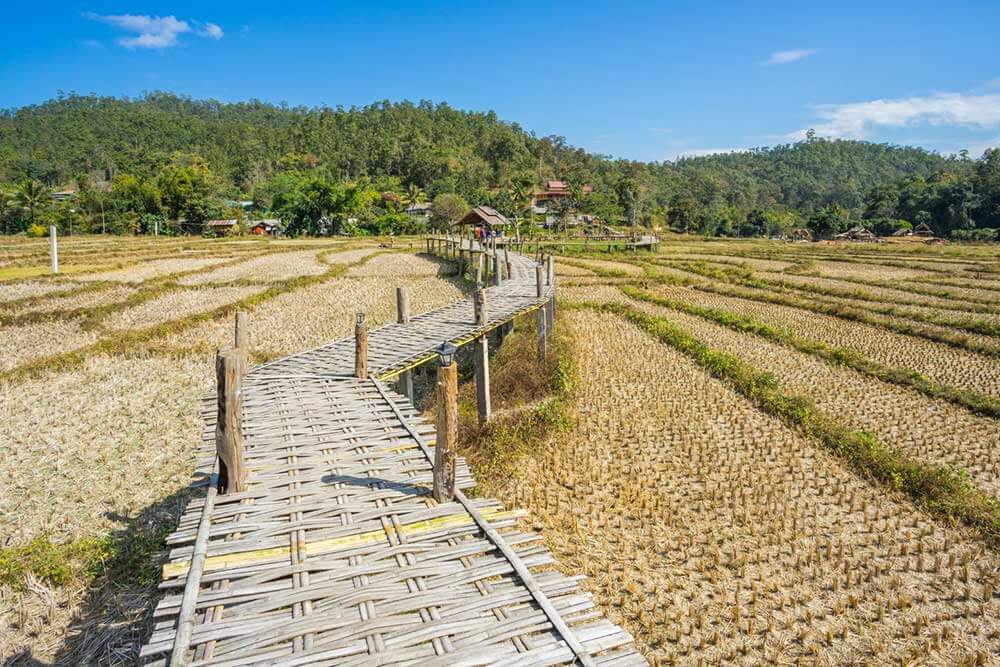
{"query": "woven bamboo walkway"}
(337, 554)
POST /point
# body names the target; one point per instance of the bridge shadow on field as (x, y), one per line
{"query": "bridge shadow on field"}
(114, 617)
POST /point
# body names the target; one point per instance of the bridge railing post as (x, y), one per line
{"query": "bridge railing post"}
(482, 359)
(360, 347)
(403, 317)
(446, 425)
(230, 366)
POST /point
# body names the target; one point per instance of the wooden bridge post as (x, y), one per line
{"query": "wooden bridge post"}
(506, 259)
(241, 333)
(230, 366)
(54, 248)
(360, 347)
(479, 267)
(482, 359)
(403, 317)
(540, 315)
(447, 428)
(497, 268)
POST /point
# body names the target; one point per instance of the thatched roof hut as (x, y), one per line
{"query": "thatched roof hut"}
(923, 229)
(483, 216)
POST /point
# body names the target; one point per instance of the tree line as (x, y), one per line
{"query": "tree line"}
(170, 162)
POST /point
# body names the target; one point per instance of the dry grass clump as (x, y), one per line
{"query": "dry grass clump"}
(349, 256)
(564, 269)
(754, 263)
(939, 362)
(85, 453)
(318, 314)
(272, 267)
(887, 294)
(175, 305)
(22, 343)
(87, 448)
(929, 430)
(154, 268)
(86, 298)
(604, 265)
(395, 266)
(716, 534)
(14, 291)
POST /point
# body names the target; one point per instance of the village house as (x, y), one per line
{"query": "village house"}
(269, 227)
(221, 227)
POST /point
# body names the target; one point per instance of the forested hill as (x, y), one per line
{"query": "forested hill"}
(440, 149)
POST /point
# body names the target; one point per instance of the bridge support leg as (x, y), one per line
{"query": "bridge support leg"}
(481, 352)
(230, 366)
(447, 433)
(403, 317)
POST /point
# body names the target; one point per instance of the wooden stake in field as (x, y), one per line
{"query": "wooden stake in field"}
(230, 366)
(241, 334)
(360, 347)
(403, 317)
(54, 248)
(447, 424)
(481, 352)
(540, 315)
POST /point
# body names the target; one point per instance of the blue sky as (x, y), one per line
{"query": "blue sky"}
(640, 80)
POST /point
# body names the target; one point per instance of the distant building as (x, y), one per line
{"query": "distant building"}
(269, 227)
(63, 195)
(221, 227)
(419, 209)
(923, 229)
(484, 216)
(856, 234)
(554, 191)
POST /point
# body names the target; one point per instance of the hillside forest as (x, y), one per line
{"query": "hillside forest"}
(168, 162)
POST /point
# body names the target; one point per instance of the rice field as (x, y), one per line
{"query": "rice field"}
(101, 379)
(720, 520)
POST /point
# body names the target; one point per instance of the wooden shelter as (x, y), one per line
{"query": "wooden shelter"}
(923, 229)
(856, 233)
(484, 216)
(903, 232)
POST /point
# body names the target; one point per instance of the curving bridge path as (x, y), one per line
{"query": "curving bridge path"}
(337, 554)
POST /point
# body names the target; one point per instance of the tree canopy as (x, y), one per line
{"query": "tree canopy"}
(327, 169)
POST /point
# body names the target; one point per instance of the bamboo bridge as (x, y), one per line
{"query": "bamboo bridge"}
(332, 549)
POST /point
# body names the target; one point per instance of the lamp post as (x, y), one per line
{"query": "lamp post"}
(447, 423)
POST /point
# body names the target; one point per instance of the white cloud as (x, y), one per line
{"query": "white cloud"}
(211, 30)
(155, 32)
(855, 120)
(784, 57)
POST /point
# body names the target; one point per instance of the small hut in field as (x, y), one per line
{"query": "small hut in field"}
(856, 233)
(923, 229)
(485, 218)
(903, 232)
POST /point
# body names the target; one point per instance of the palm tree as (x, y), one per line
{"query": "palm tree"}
(521, 192)
(32, 196)
(413, 195)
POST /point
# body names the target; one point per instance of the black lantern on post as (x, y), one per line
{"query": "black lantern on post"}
(446, 353)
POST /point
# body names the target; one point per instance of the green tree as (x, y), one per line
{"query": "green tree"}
(446, 209)
(6, 207)
(33, 197)
(827, 221)
(186, 186)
